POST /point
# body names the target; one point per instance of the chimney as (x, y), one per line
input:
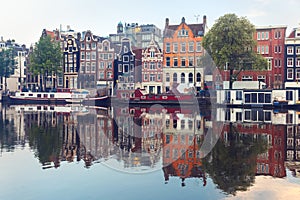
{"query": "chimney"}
(167, 22)
(204, 19)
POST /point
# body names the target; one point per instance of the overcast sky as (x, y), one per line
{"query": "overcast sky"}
(25, 20)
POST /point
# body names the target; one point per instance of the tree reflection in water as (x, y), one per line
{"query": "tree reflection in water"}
(232, 163)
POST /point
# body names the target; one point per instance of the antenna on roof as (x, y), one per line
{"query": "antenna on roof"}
(197, 17)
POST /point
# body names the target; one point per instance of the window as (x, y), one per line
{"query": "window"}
(297, 62)
(88, 55)
(152, 77)
(191, 46)
(146, 77)
(290, 50)
(289, 95)
(82, 55)
(258, 49)
(191, 61)
(267, 49)
(88, 67)
(258, 36)
(267, 35)
(175, 78)
(277, 49)
(290, 74)
(298, 74)
(167, 47)
(198, 78)
(183, 61)
(93, 66)
(152, 65)
(182, 78)
(175, 47)
(183, 47)
(290, 62)
(191, 78)
(125, 58)
(109, 65)
(82, 46)
(101, 65)
(120, 67)
(168, 61)
(167, 77)
(277, 35)
(145, 65)
(297, 50)
(239, 95)
(152, 54)
(82, 67)
(175, 62)
(94, 55)
(198, 47)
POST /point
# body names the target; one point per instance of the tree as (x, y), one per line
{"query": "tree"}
(7, 64)
(230, 43)
(232, 164)
(45, 60)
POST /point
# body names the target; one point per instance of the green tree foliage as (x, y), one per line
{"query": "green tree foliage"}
(231, 41)
(232, 165)
(7, 64)
(45, 60)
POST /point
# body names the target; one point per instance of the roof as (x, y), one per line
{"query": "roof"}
(197, 29)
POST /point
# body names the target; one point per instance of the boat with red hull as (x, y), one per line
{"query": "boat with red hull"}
(140, 96)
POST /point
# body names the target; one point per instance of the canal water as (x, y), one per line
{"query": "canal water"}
(148, 152)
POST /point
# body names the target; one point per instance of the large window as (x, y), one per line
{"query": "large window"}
(198, 47)
(198, 78)
(175, 47)
(239, 95)
(175, 77)
(290, 62)
(290, 50)
(183, 47)
(191, 78)
(290, 74)
(191, 61)
(167, 77)
(183, 61)
(175, 62)
(168, 61)
(182, 78)
(168, 47)
(191, 46)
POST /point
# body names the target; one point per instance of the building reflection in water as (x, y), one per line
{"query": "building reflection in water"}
(252, 142)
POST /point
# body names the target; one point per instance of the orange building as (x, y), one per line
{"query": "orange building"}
(182, 51)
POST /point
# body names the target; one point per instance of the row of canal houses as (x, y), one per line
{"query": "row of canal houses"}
(143, 56)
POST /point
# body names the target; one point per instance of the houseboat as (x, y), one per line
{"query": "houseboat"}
(140, 96)
(60, 96)
(262, 98)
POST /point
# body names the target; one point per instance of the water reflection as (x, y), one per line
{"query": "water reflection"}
(148, 138)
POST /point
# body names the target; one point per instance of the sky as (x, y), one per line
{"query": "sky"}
(25, 20)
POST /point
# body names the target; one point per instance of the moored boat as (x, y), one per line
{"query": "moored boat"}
(60, 96)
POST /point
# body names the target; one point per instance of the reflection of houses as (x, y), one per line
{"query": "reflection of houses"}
(263, 123)
(183, 135)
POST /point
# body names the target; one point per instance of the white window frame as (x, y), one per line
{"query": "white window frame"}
(290, 50)
(290, 71)
(290, 62)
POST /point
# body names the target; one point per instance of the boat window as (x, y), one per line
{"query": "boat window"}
(22, 94)
(30, 95)
(261, 98)
(51, 95)
(39, 95)
(39, 108)
(254, 98)
(45, 95)
(164, 97)
(143, 97)
(247, 98)
(51, 107)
